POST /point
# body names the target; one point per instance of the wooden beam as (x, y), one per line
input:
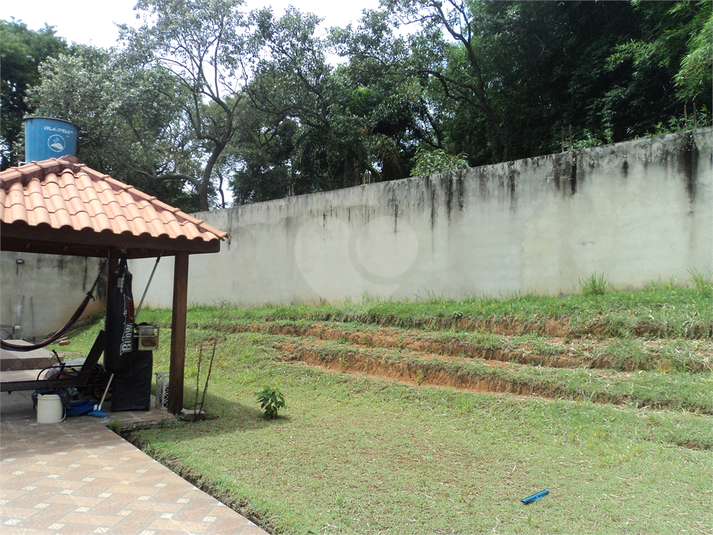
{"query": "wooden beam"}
(178, 333)
(25, 238)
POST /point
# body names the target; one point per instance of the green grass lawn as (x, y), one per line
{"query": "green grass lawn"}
(359, 453)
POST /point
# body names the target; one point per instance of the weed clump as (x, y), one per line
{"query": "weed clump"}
(594, 284)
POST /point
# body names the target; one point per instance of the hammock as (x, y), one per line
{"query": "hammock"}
(58, 334)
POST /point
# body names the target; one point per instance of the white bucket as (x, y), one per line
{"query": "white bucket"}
(49, 409)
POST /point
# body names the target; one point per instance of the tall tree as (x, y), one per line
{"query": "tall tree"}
(205, 45)
(21, 52)
(669, 63)
(264, 150)
(129, 119)
(502, 79)
(295, 82)
(694, 79)
(546, 65)
(350, 122)
(448, 34)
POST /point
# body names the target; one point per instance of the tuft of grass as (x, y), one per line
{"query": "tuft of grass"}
(594, 284)
(702, 282)
(664, 285)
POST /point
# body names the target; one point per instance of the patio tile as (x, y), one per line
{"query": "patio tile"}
(150, 505)
(44, 519)
(78, 477)
(16, 512)
(82, 517)
(169, 525)
(131, 526)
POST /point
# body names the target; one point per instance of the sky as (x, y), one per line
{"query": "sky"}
(91, 22)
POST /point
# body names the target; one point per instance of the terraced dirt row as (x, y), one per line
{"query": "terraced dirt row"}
(599, 370)
(554, 352)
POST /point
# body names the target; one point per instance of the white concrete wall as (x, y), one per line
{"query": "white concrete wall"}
(41, 293)
(634, 212)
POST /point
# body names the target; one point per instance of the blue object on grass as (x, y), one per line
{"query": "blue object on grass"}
(535, 496)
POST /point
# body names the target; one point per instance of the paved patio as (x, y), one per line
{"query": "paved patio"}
(78, 477)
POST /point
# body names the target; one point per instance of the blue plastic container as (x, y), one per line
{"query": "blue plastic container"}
(49, 138)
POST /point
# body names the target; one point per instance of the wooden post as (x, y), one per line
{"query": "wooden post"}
(111, 267)
(178, 333)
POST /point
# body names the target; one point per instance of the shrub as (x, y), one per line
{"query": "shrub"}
(271, 400)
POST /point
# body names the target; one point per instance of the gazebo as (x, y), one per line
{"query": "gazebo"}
(60, 206)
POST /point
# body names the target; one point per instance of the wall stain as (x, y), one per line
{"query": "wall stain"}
(689, 164)
(448, 187)
(460, 189)
(431, 196)
(454, 191)
(564, 172)
(483, 184)
(395, 203)
(513, 174)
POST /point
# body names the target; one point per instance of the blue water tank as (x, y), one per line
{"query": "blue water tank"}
(49, 138)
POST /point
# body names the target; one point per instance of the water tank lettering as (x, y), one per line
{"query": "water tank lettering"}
(60, 130)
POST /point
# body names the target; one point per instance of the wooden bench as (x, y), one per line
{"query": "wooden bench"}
(84, 379)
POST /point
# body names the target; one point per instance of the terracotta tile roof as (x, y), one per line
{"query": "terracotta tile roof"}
(66, 195)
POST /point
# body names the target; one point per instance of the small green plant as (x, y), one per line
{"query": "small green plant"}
(689, 120)
(271, 400)
(663, 285)
(594, 285)
(115, 426)
(429, 162)
(419, 377)
(590, 139)
(701, 281)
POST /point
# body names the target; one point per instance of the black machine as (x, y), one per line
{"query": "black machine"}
(132, 388)
(129, 351)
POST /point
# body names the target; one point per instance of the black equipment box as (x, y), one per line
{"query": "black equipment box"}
(132, 388)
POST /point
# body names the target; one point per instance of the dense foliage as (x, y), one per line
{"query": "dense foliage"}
(21, 52)
(205, 97)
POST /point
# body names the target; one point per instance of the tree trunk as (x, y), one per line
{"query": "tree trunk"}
(207, 173)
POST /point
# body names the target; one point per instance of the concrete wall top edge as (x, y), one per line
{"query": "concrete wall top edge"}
(703, 138)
